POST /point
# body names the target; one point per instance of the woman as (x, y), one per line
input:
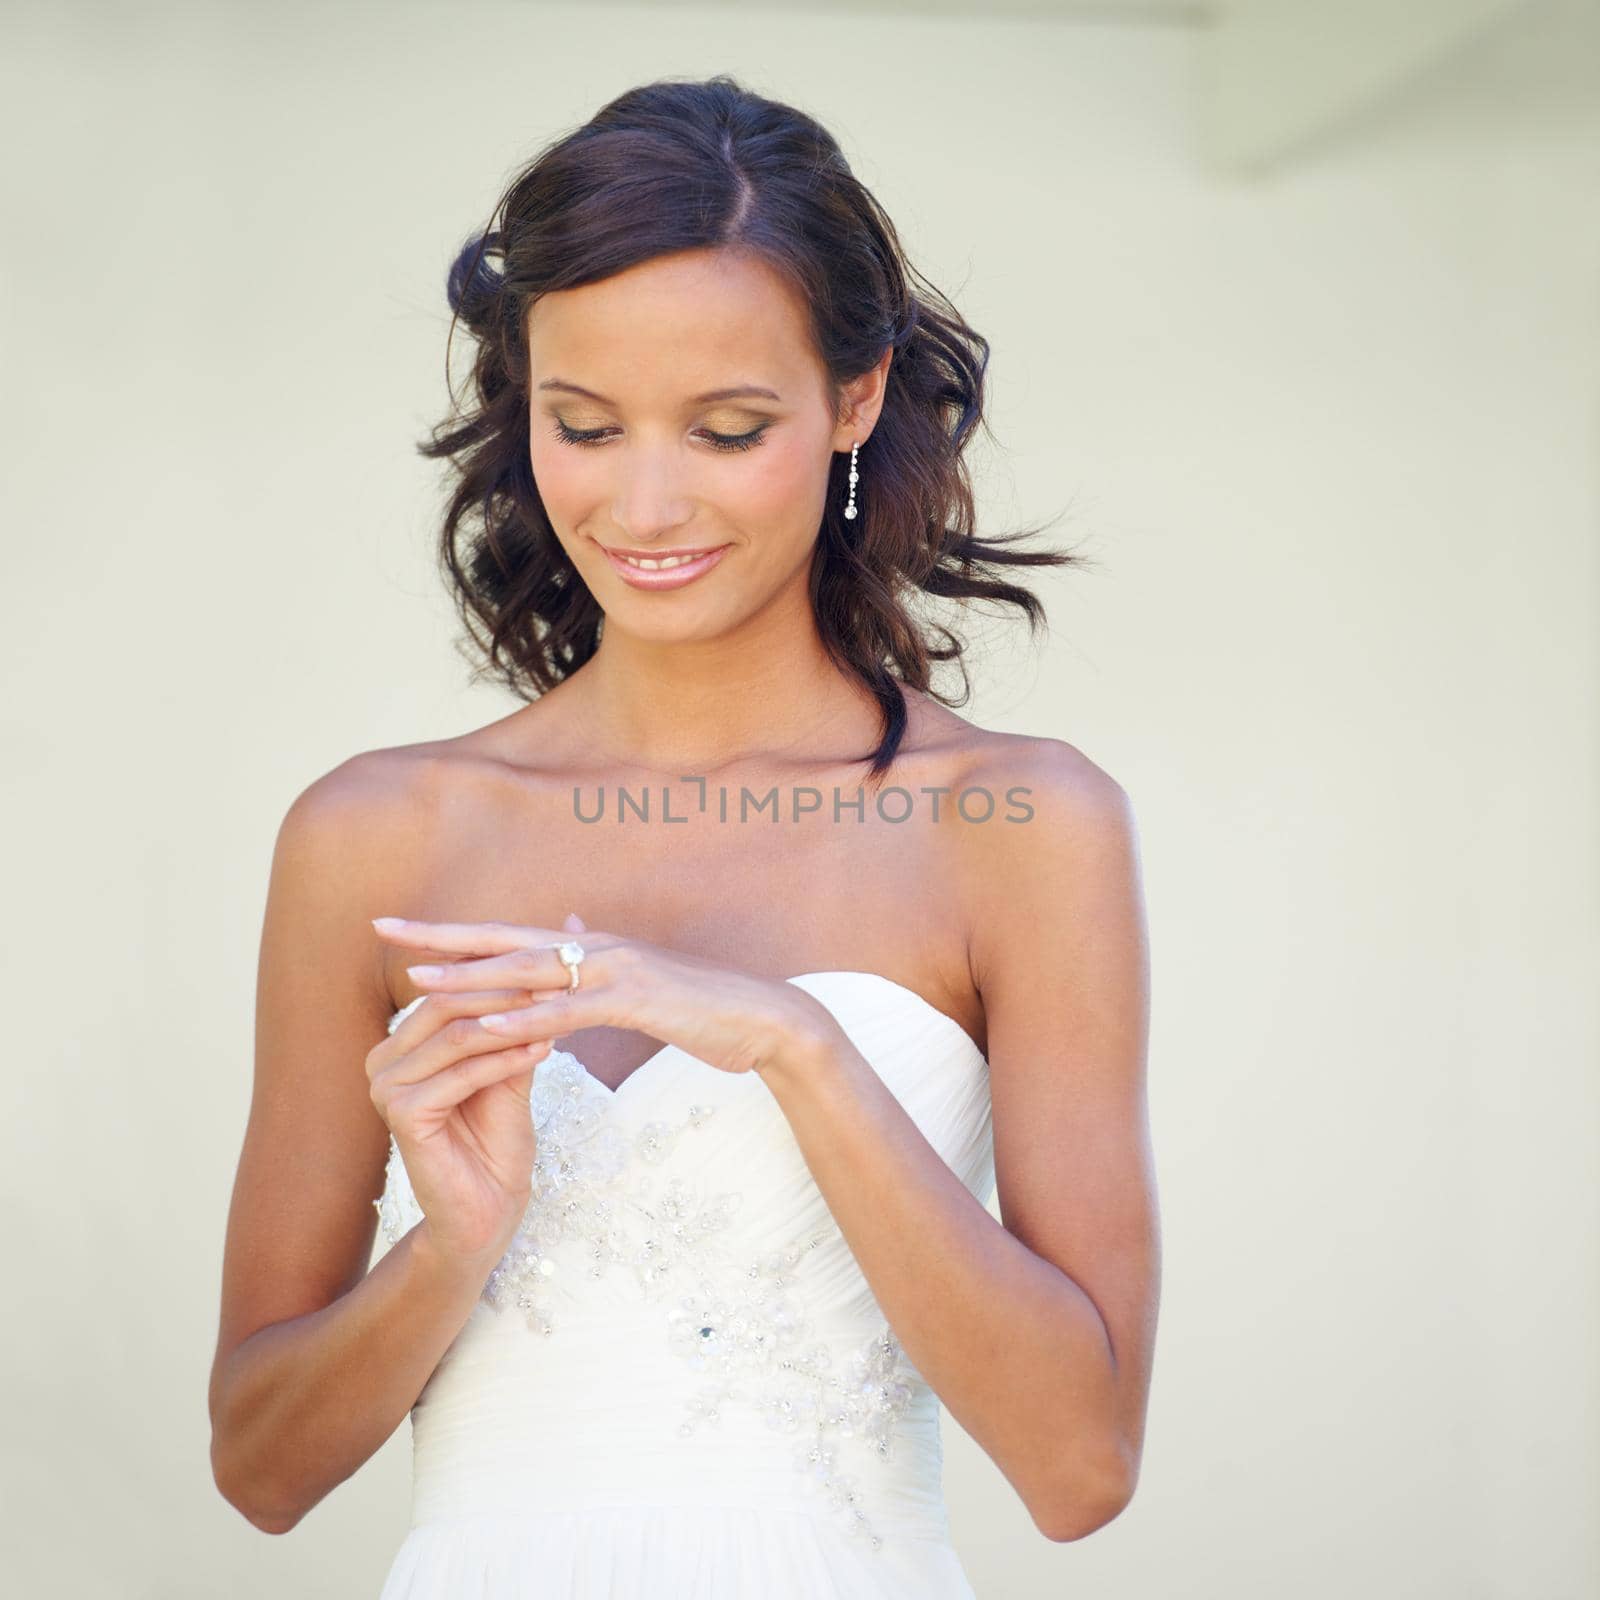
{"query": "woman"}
(684, 1192)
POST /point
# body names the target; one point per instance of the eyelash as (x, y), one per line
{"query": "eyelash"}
(719, 441)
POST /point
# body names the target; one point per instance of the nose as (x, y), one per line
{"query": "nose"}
(650, 502)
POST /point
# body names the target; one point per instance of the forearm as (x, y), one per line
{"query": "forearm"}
(1014, 1348)
(306, 1401)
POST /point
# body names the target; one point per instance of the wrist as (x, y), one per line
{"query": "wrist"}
(443, 1264)
(806, 1059)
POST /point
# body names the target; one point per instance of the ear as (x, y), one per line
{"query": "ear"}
(863, 400)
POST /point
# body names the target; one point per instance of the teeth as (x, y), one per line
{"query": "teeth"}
(659, 566)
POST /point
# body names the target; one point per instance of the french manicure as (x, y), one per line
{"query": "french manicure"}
(425, 974)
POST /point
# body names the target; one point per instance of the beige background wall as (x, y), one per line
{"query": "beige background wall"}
(1333, 436)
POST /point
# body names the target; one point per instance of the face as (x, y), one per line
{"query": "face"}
(680, 407)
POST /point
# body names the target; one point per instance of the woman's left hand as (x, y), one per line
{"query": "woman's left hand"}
(733, 1020)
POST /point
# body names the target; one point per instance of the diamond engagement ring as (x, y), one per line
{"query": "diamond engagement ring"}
(571, 956)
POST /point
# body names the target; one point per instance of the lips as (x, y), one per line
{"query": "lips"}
(659, 555)
(700, 560)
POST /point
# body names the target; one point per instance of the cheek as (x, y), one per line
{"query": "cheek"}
(559, 477)
(780, 490)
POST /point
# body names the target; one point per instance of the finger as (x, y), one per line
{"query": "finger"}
(534, 970)
(549, 1016)
(438, 1009)
(450, 1085)
(457, 1038)
(462, 938)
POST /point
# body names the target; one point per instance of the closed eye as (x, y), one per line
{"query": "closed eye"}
(719, 441)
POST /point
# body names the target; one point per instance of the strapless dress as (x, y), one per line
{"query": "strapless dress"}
(676, 1381)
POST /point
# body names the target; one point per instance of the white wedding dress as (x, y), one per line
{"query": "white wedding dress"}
(677, 1384)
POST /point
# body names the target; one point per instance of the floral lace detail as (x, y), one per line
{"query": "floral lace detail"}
(734, 1322)
(580, 1192)
(754, 1346)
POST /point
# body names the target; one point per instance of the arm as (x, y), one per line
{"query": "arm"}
(1038, 1334)
(317, 1360)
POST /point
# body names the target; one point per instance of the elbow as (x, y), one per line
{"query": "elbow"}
(268, 1522)
(1088, 1503)
(243, 1491)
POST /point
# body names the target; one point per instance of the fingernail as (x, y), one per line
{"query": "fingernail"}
(388, 922)
(425, 974)
(495, 1021)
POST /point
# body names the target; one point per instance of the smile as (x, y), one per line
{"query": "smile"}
(667, 570)
(660, 565)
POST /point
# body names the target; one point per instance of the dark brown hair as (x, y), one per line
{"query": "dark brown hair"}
(683, 165)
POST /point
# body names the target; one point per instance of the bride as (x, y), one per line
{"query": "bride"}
(676, 1028)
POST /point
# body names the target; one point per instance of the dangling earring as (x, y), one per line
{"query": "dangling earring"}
(850, 510)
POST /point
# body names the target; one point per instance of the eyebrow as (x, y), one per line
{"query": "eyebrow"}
(738, 392)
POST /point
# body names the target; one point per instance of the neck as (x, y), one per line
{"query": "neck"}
(767, 689)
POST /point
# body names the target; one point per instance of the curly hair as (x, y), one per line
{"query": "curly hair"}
(679, 165)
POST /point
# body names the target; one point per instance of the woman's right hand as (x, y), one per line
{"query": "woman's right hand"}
(456, 1099)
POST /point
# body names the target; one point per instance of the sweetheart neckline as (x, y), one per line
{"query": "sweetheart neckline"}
(829, 972)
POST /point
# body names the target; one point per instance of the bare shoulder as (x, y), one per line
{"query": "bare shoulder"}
(383, 805)
(1058, 777)
(1038, 774)
(1048, 794)
(1071, 820)
(363, 791)
(1046, 823)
